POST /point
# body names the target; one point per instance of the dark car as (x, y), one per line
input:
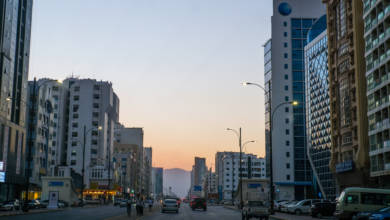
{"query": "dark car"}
(320, 209)
(35, 204)
(199, 203)
(367, 215)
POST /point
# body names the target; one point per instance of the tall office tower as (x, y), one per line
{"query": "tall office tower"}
(347, 91)
(291, 21)
(93, 110)
(377, 32)
(157, 182)
(48, 128)
(133, 136)
(267, 97)
(147, 171)
(199, 171)
(15, 32)
(317, 109)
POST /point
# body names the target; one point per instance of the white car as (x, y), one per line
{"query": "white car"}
(169, 205)
(284, 206)
(302, 207)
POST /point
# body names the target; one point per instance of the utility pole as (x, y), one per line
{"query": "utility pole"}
(240, 143)
(82, 170)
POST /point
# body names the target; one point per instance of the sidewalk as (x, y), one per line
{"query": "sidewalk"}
(155, 209)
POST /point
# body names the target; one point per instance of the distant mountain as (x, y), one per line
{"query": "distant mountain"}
(178, 179)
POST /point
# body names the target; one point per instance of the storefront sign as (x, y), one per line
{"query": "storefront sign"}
(2, 177)
(56, 183)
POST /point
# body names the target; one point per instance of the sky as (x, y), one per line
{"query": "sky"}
(176, 65)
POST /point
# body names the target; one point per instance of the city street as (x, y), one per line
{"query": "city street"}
(100, 212)
(213, 212)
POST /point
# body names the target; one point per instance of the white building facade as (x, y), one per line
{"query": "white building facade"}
(228, 174)
(291, 21)
(93, 109)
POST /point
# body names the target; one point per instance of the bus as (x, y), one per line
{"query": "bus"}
(354, 199)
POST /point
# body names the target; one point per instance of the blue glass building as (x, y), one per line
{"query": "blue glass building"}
(318, 109)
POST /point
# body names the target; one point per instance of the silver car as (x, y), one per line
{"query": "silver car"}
(169, 205)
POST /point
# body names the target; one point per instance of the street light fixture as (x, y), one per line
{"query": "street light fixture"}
(293, 103)
(247, 142)
(238, 133)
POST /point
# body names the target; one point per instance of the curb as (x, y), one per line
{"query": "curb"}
(277, 218)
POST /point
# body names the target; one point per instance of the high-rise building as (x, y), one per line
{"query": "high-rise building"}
(93, 109)
(199, 171)
(228, 175)
(147, 171)
(124, 159)
(291, 21)
(133, 136)
(318, 110)
(48, 128)
(15, 32)
(377, 53)
(267, 97)
(157, 182)
(347, 92)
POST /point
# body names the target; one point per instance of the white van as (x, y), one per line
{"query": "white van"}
(354, 199)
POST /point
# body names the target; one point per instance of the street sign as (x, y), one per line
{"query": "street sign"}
(197, 188)
(53, 200)
(2, 177)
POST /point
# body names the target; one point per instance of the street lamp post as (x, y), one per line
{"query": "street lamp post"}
(294, 103)
(240, 167)
(83, 169)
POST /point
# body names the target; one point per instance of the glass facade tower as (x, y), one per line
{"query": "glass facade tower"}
(317, 109)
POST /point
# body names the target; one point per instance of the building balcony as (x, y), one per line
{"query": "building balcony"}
(380, 149)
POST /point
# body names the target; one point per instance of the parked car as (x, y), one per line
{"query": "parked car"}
(10, 205)
(320, 209)
(302, 207)
(199, 203)
(34, 204)
(355, 199)
(281, 204)
(123, 203)
(284, 207)
(255, 209)
(367, 215)
(117, 201)
(169, 205)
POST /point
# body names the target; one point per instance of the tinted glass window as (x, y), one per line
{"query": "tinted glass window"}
(306, 23)
(296, 23)
(352, 199)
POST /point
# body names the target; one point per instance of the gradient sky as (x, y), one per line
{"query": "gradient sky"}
(176, 66)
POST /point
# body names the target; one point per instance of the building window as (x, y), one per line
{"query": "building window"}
(288, 177)
(287, 154)
(74, 134)
(77, 88)
(285, 76)
(341, 22)
(285, 23)
(285, 66)
(285, 44)
(76, 98)
(286, 55)
(286, 109)
(286, 88)
(288, 165)
(73, 153)
(72, 162)
(285, 34)
(287, 120)
(287, 143)
(286, 98)
(287, 131)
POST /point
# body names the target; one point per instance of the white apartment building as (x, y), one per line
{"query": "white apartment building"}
(228, 173)
(93, 108)
(291, 21)
(48, 146)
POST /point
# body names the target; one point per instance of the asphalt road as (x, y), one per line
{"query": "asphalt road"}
(99, 213)
(213, 212)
